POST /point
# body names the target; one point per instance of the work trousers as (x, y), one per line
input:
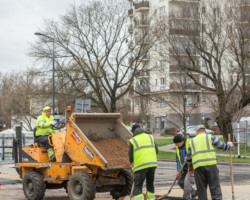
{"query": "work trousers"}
(186, 182)
(181, 180)
(208, 175)
(140, 176)
(43, 139)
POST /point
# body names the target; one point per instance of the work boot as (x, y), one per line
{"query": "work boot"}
(194, 194)
(51, 155)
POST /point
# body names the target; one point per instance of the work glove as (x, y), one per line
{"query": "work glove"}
(52, 123)
(190, 170)
(230, 144)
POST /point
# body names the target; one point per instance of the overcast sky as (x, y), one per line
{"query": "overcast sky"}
(19, 20)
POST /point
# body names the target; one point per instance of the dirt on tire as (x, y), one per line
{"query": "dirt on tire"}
(115, 151)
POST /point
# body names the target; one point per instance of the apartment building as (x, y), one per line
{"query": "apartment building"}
(164, 95)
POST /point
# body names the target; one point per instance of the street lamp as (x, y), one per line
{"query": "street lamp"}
(53, 70)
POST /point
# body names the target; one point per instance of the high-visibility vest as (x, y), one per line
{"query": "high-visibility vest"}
(42, 125)
(178, 152)
(203, 152)
(144, 152)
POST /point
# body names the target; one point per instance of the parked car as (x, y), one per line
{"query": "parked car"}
(191, 131)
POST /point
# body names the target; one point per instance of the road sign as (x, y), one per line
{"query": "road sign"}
(82, 105)
(203, 116)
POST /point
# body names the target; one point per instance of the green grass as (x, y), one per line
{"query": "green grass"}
(166, 135)
(163, 142)
(166, 155)
(171, 155)
(224, 158)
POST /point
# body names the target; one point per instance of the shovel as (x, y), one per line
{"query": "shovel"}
(131, 194)
(231, 169)
(165, 195)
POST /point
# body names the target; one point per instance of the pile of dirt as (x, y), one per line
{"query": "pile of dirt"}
(115, 151)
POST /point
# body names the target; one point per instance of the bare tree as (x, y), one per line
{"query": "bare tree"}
(91, 50)
(218, 42)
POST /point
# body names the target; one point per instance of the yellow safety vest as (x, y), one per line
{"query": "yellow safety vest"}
(42, 125)
(203, 152)
(144, 152)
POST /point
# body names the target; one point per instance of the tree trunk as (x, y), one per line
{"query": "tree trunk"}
(225, 125)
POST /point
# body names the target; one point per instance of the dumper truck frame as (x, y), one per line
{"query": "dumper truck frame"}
(79, 168)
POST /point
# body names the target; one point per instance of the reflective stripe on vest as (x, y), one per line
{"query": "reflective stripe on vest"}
(203, 152)
(144, 152)
(178, 152)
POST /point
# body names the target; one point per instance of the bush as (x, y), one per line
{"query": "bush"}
(169, 131)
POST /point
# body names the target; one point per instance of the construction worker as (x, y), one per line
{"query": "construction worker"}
(185, 181)
(43, 129)
(142, 155)
(201, 158)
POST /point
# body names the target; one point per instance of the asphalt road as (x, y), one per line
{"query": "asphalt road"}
(165, 175)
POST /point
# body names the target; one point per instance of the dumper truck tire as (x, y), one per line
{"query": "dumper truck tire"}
(121, 191)
(81, 187)
(34, 186)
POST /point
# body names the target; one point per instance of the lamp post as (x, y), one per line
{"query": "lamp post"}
(53, 69)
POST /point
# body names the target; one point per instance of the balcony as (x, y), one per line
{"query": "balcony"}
(181, 87)
(143, 74)
(142, 6)
(187, 32)
(130, 30)
(177, 69)
(142, 89)
(185, 1)
(131, 1)
(131, 45)
(184, 16)
(143, 24)
(130, 13)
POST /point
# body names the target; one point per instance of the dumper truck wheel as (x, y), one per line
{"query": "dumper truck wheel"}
(34, 186)
(81, 187)
(121, 191)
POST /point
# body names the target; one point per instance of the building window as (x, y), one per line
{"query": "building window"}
(163, 102)
(204, 81)
(156, 82)
(216, 12)
(187, 80)
(162, 12)
(203, 9)
(187, 100)
(163, 65)
(215, 65)
(137, 101)
(163, 84)
(204, 98)
(147, 103)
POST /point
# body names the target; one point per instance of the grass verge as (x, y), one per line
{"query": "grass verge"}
(166, 135)
(163, 142)
(171, 155)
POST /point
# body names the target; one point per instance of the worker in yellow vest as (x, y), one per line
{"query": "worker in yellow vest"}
(142, 155)
(201, 158)
(185, 180)
(43, 129)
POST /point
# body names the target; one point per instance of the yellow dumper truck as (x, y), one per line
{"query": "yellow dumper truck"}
(91, 156)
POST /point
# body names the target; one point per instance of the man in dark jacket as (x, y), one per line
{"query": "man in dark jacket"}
(181, 144)
(142, 155)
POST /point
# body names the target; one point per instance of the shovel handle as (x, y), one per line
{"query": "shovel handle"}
(231, 168)
(165, 195)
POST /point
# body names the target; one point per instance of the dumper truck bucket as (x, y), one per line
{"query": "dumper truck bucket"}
(85, 130)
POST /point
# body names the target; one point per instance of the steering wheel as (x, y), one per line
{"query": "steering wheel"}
(58, 126)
